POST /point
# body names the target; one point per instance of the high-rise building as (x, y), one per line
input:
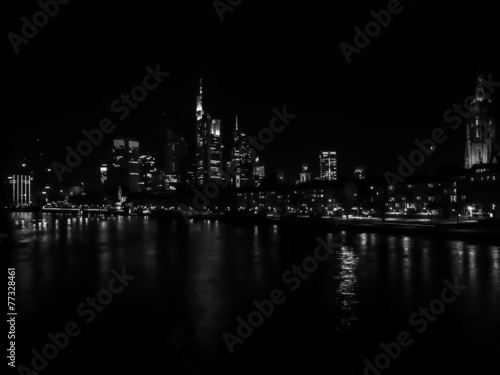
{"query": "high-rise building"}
(104, 173)
(328, 165)
(20, 190)
(147, 172)
(481, 145)
(175, 153)
(208, 144)
(175, 160)
(242, 157)
(124, 167)
(305, 175)
(259, 172)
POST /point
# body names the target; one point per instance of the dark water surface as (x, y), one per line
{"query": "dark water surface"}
(192, 282)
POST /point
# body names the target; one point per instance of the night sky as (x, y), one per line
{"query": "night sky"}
(261, 56)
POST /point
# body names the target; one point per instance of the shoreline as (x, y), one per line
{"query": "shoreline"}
(488, 229)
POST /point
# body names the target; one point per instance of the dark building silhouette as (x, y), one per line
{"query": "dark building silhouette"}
(175, 158)
(242, 159)
(123, 169)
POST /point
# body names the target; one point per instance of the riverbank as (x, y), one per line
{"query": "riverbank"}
(489, 229)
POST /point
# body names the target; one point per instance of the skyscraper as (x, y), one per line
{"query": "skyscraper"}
(147, 172)
(481, 145)
(259, 172)
(175, 154)
(328, 165)
(124, 167)
(20, 190)
(241, 159)
(208, 144)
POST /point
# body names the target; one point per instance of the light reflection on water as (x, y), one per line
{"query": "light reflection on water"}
(211, 271)
(346, 291)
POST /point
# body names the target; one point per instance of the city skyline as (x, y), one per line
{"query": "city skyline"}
(226, 151)
(240, 187)
(343, 107)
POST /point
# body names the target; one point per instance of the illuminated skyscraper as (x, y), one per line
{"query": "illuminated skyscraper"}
(242, 159)
(124, 167)
(328, 165)
(259, 172)
(147, 172)
(481, 145)
(20, 190)
(208, 144)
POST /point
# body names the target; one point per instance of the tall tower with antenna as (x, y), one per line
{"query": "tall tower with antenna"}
(208, 144)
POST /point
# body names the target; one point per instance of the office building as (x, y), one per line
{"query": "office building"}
(147, 172)
(208, 144)
(242, 159)
(20, 193)
(123, 170)
(328, 166)
(259, 172)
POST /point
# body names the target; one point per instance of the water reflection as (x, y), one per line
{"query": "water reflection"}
(197, 279)
(346, 291)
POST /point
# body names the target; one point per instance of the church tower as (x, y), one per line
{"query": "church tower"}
(481, 145)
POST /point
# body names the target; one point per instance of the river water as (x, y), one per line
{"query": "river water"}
(193, 281)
